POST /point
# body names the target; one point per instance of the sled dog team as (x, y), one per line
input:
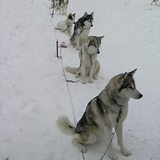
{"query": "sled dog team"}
(100, 116)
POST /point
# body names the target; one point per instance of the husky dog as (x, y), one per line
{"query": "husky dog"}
(59, 5)
(81, 30)
(155, 2)
(89, 65)
(66, 26)
(103, 113)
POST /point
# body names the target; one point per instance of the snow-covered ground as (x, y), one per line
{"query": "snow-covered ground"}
(33, 92)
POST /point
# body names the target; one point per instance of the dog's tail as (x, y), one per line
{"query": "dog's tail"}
(65, 125)
(72, 69)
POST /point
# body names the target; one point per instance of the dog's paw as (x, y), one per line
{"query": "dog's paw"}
(112, 156)
(77, 75)
(84, 81)
(90, 80)
(77, 48)
(95, 77)
(83, 149)
(125, 152)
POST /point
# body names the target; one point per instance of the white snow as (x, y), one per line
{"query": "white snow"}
(33, 92)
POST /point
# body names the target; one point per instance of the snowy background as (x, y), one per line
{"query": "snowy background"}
(33, 92)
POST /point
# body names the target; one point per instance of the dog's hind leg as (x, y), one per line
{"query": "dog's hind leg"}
(111, 152)
(92, 138)
(79, 142)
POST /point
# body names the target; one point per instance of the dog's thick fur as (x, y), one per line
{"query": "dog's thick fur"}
(155, 2)
(101, 115)
(60, 5)
(89, 65)
(66, 26)
(81, 30)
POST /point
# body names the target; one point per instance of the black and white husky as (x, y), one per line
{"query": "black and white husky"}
(66, 26)
(59, 5)
(81, 30)
(89, 65)
(101, 115)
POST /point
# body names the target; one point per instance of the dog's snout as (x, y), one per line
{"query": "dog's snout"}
(140, 95)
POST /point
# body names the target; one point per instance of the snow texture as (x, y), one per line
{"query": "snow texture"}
(33, 91)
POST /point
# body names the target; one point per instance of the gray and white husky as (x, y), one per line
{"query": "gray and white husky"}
(81, 30)
(89, 65)
(59, 5)
(155, 2)
(102, 114)
(66, 26)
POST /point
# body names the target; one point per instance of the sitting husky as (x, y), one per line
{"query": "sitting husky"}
(81, 30)
(66, 26)
(59, 5)
(89, 65)
(103, 113)
(155, 2)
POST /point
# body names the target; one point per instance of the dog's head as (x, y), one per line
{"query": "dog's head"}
(94, 44)
(71, 18)
(123, 86)
(88, 20)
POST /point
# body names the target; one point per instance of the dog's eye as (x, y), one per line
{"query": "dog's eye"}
(130, 87)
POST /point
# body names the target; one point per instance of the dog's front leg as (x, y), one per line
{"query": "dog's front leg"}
(65, 10)
(60, 10)
(83, 67)
(69, 31)
(119, 133)
(91, 72)
(78, 43)
(111, 152)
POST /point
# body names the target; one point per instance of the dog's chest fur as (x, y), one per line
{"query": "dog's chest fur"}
(111, 110)
(113, 116)
(84, 34)
(87, 59)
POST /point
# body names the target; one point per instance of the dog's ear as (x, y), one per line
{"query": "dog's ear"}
(101, 37)
(74, 14)
(133, 72)
(92, 14)
(124, 76)
(85, 14)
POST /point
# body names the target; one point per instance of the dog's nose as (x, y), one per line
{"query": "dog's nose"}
(91, 25)
(98, 52)
(74, 23)
(140, 95)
